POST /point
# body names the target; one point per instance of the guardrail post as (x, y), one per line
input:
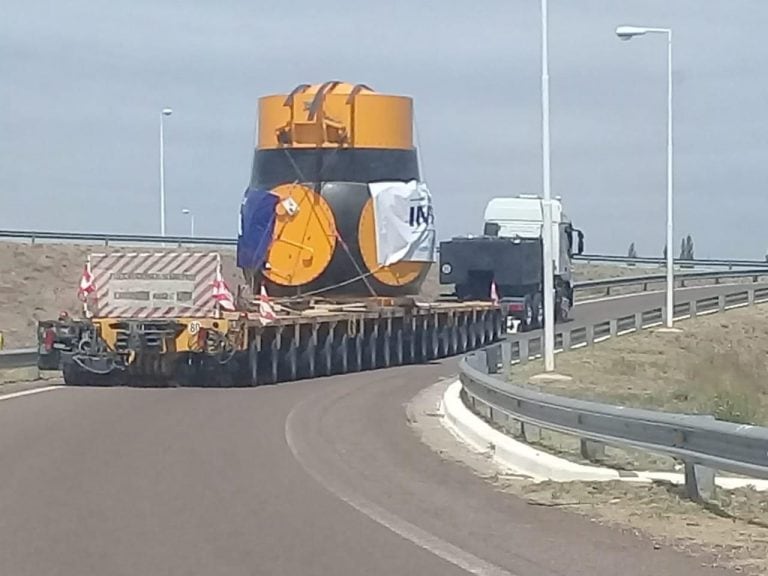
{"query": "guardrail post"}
(638, 321)
(693, 308)
(613, 327)
(699, 482)
(523, 351)
(721, 303)
(590, 334)
(751, 296)
(566, 340)
(591, 450)
(530, 432)
(492, 358)
(506, 356)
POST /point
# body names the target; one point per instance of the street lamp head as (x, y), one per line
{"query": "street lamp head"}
(167, 111)
(629, 32)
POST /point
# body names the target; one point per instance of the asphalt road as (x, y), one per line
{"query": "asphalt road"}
(320, 477)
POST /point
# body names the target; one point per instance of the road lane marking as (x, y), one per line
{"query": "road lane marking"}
(29, 392)
(429, 542)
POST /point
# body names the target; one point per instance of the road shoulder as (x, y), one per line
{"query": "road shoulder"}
(658, 512)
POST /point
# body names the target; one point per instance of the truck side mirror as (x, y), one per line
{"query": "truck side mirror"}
(581, 241)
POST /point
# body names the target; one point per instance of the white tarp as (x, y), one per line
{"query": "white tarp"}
(405, 223)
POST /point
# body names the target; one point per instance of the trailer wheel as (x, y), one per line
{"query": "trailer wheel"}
(463, 337)
(253, 363)
(526, 323)
(563, 309)
(74, 375)
(433, 352)
(538, 310)
(326, 354)
(490, 332)
(453, 346)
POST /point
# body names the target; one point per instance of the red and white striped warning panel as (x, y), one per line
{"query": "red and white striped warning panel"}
(153, 285)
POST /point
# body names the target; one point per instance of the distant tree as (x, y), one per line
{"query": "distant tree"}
(631, 253)
(689, 247)
(682, 249)
(664, 254)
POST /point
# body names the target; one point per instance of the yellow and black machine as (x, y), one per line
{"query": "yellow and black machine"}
(320, 149)
(336, 238)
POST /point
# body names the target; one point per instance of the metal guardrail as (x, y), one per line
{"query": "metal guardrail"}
(108, 238)
(715, 263)
(681, 278)
(703, 443)
(20, 358)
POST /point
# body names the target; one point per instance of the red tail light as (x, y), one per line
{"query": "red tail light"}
(48, 339)
(202, 337)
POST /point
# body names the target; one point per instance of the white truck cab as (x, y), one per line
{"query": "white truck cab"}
(523, 217)
(508, 257)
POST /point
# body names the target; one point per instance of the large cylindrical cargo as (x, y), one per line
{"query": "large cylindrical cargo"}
(336, 205)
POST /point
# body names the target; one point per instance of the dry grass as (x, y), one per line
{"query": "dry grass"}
(37, 282)
(731, 531)
(718, 365)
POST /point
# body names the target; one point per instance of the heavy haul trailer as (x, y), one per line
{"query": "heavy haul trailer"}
(335, 224)
(156, 321)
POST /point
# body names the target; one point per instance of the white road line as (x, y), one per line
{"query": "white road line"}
(29, 392)
(429, 542)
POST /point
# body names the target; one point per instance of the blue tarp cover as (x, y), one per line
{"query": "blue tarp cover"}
(257, 224)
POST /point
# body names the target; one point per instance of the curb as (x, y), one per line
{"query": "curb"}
(521, 459)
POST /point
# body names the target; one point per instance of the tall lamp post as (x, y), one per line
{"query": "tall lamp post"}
(165, 112)
(627, 33)
(191, 221)
(546, 236)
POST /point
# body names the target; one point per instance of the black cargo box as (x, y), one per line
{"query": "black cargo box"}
(514, 265)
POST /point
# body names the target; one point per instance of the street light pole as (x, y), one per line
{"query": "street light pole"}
(191, 221)
(627, 33)
(670, 231)
(546, 233)
(165, 112)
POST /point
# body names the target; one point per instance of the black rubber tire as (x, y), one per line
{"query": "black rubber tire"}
(253, 364)
(562, 312)
(526, 323)
(538, 311)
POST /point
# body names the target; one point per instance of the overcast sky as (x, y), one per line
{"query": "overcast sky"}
(82, 85)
